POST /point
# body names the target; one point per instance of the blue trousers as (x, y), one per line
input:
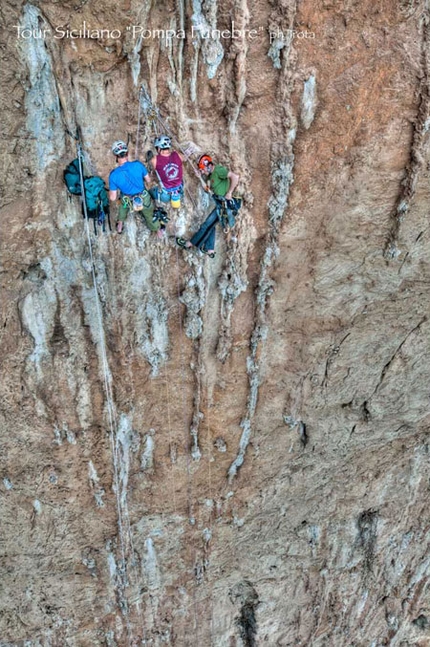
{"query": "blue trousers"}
(204, 238)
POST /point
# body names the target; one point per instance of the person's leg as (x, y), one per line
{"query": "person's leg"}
(147, 215)
(154, 192)
(208, 244)
(205, 236)
(122, 215)
(159, 195)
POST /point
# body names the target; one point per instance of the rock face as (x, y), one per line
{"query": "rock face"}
(227, 452)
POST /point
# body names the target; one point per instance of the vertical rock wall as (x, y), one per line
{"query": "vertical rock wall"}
(231, 451)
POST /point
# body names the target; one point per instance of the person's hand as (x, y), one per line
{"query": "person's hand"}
(228, 196)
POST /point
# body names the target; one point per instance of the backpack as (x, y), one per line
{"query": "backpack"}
(96, 197)
(95, 194)
(72, 177)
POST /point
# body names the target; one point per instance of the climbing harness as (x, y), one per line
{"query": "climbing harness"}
(227, 211)
(168, 195)
(137, 202)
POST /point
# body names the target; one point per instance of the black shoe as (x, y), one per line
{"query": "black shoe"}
(161, 215)
(182, 243)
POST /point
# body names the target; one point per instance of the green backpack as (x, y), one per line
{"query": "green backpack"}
(96, 196)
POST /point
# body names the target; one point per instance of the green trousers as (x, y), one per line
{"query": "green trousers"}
(125, 206)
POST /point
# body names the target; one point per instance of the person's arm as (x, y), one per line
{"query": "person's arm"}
(150, 179)
(146, 174)
(113, 189)
(234, 181)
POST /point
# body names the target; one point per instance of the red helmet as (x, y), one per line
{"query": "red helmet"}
(204, 162)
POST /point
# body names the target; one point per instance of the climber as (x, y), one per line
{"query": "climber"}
(129, 183)
(221, 183)
(167, 165)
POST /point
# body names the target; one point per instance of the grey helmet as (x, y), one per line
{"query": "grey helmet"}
(119, 147)
(163, 142)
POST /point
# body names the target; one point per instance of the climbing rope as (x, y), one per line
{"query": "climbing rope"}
(209, 442)
(169, 426)
(155, 123)
(105, 367)
(113, 426)
(154, 113)
(190, 482)
(138, 130)
(154, 118)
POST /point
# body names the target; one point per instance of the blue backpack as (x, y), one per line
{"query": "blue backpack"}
(96, 196)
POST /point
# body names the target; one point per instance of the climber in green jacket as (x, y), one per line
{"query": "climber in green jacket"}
(221, 183)
(220, 180)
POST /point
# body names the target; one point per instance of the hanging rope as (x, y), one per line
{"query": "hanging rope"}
(151, 112)
(113, 427)
(211, 514)
(189, 484)
(154, 121)
(138, 129)
(153, 116)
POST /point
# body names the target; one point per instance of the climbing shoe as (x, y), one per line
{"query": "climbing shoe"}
(161, 215)
(182, 243)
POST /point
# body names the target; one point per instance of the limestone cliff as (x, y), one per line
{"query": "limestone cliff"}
(227, 452)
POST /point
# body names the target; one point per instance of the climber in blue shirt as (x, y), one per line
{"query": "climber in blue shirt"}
(129, 183)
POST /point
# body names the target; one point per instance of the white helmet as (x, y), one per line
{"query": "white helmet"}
(163, 142)
(119, 147)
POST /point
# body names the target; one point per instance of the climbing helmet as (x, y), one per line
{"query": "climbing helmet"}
(163, 142)
(119, 147)
(204, 162)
